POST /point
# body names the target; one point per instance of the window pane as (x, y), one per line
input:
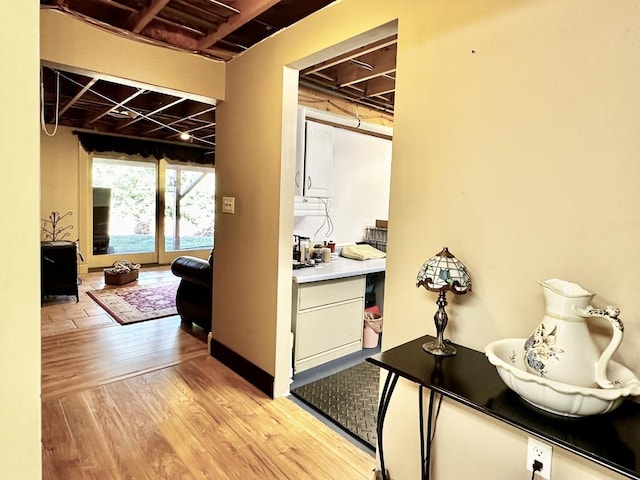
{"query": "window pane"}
(124, 206)
(189, 208)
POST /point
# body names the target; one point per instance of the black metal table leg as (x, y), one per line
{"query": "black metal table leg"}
(425, 445)
(387, 391)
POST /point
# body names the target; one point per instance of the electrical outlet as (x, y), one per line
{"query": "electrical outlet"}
(228, 204)
(541, 452)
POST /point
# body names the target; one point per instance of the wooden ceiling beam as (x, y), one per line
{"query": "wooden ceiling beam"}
(383, 62)
(182, 4)
(353, 79)
(77, 96)
(380, 86)
(249, 9)
(386, 42)
(118, 5)
(220, 53)
(224, 5)
(148, 14)
(202, 112)
(116, 106)
(150, 114)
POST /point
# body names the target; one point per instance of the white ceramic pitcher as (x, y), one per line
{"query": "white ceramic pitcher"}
(561, 347)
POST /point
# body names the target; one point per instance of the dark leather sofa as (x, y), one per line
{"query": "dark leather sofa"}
(194, 298)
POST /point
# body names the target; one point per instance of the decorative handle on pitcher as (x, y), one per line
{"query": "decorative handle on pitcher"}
(610, 313)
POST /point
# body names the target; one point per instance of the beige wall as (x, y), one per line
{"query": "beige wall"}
(19, 280)
(528, 110)
(515, 140)
(255, 163)
(59, 177)
(69, 42)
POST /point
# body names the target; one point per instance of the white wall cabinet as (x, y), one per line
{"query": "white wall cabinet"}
(300, 144)
(317, 160)
(314, 158)
(327, 320)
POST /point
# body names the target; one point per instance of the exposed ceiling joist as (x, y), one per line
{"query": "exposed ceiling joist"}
(217, 29)
(176, 122)
(155, 112)
(380, 86)
(77, 97)
(115, 107)
(148, 14)
(351, 55)
(249, 9)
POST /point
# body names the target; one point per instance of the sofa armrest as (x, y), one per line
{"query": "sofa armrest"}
(194, 270)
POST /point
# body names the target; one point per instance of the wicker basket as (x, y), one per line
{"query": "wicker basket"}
(122, 271)
(120, 278)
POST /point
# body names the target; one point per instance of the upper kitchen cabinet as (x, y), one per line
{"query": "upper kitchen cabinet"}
(318, 159)
(314, 154)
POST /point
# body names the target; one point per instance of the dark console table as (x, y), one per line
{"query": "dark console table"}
(611, 440)
(58, 268)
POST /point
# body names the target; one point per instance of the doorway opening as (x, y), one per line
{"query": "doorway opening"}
(353, 84)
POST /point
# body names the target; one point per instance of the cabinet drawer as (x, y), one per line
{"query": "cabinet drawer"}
(325, 329)
(329, 291)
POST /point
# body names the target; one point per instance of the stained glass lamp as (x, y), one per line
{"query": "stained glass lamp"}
(443, 273)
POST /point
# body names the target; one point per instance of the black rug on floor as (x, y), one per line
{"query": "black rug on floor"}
(349, 398)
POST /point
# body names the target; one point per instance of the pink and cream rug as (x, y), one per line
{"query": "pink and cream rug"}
(138, 303)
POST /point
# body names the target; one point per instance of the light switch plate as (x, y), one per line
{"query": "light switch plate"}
(229, 205)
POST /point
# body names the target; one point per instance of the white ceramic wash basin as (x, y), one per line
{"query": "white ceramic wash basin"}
(557, 397)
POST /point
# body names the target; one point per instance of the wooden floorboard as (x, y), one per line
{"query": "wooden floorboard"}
(87, 358)
(147, 401)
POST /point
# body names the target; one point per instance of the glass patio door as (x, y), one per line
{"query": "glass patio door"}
(150, 212)
(124, 210)
(189, 200)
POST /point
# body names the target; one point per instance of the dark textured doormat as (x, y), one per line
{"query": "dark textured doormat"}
(349, 398)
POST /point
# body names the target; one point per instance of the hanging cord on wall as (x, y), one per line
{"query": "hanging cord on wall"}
(42, 120)
(327, 219)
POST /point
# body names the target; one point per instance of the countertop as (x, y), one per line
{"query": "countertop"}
(338, 268)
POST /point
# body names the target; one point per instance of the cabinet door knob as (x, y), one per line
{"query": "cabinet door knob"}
(308, 182)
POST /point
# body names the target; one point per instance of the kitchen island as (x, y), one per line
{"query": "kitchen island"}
(328, 309)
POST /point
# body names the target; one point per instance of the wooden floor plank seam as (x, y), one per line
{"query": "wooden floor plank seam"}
(147, 401)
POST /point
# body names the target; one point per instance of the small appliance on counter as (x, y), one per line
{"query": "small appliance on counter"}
(300, 246)
(305, 254)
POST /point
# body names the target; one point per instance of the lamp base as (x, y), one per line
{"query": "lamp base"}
(440, 349)
(438, 346)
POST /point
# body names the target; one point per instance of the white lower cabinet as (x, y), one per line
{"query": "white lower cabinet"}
(327, 320)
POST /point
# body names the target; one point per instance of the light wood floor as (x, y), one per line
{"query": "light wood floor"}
(83, 346)
(146, 401)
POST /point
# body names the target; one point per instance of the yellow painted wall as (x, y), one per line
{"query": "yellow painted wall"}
(19, 242)
(527, 110)
(59, 178)
(515, 144)
(67, 41)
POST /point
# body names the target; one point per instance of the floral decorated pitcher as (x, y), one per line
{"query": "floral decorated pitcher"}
(561, 347)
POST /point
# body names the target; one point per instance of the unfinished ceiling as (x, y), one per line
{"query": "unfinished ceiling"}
(212, 28)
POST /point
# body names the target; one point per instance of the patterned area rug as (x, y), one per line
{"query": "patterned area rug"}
(349, 398)
(138, 303)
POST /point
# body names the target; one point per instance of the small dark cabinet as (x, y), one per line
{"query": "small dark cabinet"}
(58, 268)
